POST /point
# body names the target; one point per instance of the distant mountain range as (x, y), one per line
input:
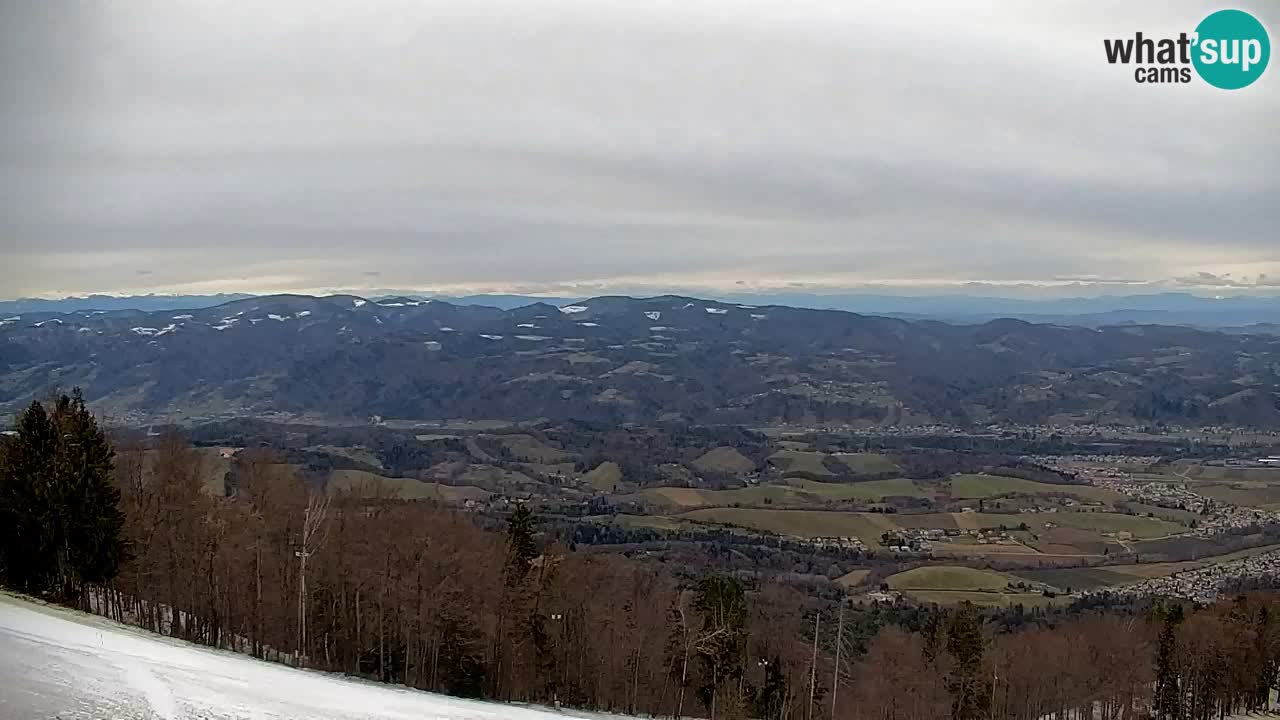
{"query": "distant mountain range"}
(1151, 309)
(621, 359)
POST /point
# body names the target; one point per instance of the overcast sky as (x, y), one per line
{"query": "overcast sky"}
(623, 145)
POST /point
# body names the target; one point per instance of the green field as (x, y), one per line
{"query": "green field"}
(1171, 514)
(867, 463)
(1077, 578)
(872, 490)
(927, 521)
(989, 521)
(1246, 494)
(799, 523)
(1268, 476)
(530, 449)
(725, 460)
(651, 522)
(791, 492)
(605, 477)
(367, 484)
(948, 577)
(751, 496)
(1100, 522)
(1141, 527)
(797, 461)
(985, 486)
(982, 599)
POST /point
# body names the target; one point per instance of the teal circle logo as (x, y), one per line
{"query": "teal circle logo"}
(1231, 50)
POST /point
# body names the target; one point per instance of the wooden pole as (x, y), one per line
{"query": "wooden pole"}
(813, 667)
(835, 675)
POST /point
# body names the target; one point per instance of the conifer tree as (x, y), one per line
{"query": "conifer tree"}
(967, 682)
(60, 520)
(27, 561)
(1168, 701)
(521, 549)
(722, 642)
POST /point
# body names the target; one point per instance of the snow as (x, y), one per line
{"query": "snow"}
(717, 311)
(183, 317)
(532, 337)
(166, 329)
(653, 315)
(146, 331)
(60, 663)
(571, 309)
(303, 313)
(589, 324)
(358, 302)
(491, 337)
(225, 326)
(280, 318)
(658, 328)
(447, 329)
(758, 317)
(527, 325)
(51, 320)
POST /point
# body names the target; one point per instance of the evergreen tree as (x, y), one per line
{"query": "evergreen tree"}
(1265, 657)
(722, 642)
(60, 521)
(94, 520)
(27, 559)
(1168, 700)
(521, 550)
(970, 693)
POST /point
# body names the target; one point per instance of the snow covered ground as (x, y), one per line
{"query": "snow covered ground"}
(56, 663)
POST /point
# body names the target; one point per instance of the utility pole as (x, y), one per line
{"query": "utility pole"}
(813, 667)
(313, 516)
(302, 556)
(835, 675)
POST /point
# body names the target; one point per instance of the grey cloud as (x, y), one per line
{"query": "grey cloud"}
(539, 145)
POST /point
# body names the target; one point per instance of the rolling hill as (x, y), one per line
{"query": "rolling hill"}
(620, 359)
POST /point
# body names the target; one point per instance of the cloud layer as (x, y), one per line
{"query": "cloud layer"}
(557, 145)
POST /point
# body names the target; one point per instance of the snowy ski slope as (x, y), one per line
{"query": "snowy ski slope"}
(56, 663)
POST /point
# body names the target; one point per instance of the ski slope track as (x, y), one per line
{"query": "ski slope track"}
(57, 663)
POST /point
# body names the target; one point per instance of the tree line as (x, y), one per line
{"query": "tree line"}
(279, 567)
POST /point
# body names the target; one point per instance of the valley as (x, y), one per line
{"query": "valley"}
(818, 508)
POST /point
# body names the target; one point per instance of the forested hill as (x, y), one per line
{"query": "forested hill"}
(627, 359)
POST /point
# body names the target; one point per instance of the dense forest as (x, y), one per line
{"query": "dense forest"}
(407, 593)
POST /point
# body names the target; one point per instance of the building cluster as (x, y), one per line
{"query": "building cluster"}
(1201, 584)
(1096, 465)
(912, 540)
(835, 543)
(1160, 493)
(921, 540)
(1216, 517)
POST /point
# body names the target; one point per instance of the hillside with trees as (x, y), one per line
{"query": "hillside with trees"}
(416, 595)
(607, 359)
